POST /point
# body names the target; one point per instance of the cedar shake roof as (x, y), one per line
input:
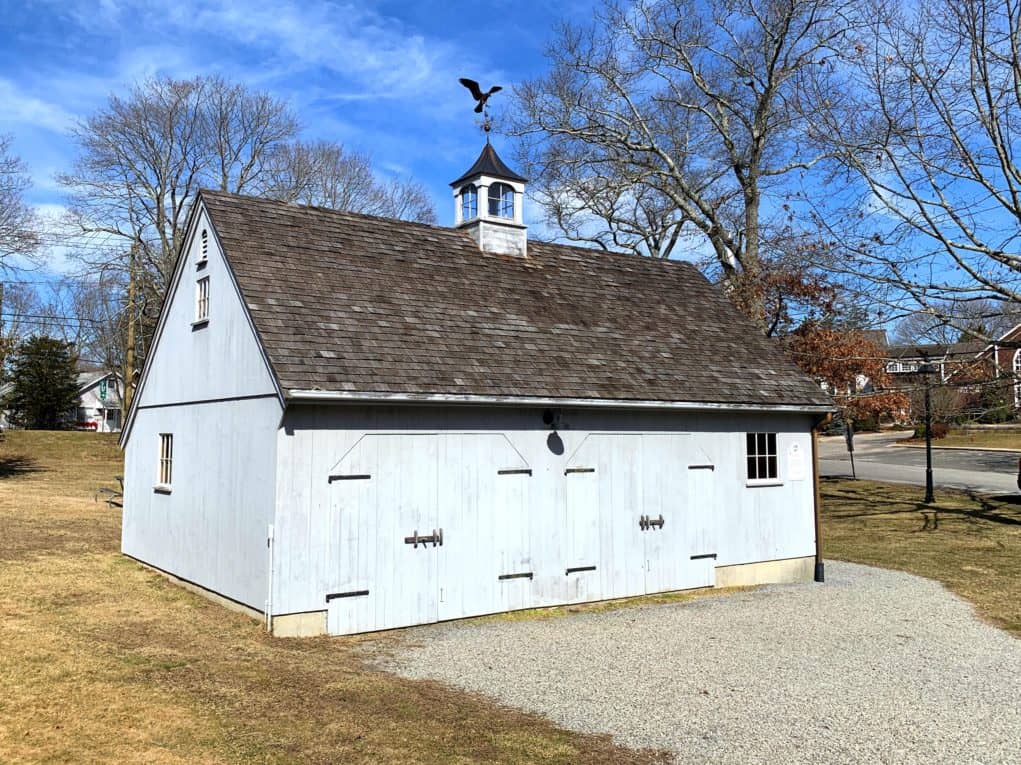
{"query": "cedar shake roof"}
(489, 163)
(352, 303)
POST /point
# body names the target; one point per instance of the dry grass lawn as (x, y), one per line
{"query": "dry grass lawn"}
(102, 661)
(970, 542)
(987, 439)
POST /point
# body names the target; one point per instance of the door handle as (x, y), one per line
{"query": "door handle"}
(436, 538)
(645, 522)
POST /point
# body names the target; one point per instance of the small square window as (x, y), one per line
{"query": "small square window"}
(763, 464)
(202, 299)
(165, 472)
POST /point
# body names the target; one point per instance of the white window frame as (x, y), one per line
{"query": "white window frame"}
(202, 301)
(165, 464)
(1015, 366)
(502, 196)
(762, 450)
(469, 202)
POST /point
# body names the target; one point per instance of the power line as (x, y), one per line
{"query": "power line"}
(39, 318)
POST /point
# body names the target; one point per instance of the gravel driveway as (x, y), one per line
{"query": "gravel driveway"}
(873, 666)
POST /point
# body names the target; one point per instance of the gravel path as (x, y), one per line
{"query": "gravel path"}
(874, 666)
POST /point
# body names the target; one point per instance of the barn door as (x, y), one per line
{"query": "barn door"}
(701, 528)
(604, 503)
(679, 525)
(665, 512)
(580, 550)
(384, 501)
(485, 565)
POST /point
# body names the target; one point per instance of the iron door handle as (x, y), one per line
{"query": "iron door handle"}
(645, 522)
(436, 538)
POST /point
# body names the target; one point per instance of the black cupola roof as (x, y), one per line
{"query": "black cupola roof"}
(489, 163)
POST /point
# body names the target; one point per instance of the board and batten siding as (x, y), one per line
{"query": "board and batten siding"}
(209, 386)
(457, 465)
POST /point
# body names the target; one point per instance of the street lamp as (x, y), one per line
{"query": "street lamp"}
(926, 370)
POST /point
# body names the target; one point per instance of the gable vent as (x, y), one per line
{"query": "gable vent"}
(205, 243)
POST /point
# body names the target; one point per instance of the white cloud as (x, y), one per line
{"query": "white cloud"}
(22, 109)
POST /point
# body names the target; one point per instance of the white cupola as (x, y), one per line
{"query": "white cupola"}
(488, 201)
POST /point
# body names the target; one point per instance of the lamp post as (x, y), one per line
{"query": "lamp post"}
(926, 370)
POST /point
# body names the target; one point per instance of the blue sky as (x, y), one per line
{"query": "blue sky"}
(378, 76)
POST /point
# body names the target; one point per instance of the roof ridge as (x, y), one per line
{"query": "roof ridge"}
(316, 208)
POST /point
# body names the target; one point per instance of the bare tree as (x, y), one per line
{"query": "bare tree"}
(667, 123)
(326, 174)
(144, 157)
(19, 233)
(972, 320)
(928, 127)
(20, 317)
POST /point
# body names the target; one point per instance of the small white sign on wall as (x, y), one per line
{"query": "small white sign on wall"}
(796, 463)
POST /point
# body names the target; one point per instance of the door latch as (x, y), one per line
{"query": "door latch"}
(645, 522)
(416, 539)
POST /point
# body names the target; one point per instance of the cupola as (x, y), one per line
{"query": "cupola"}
(488, 201)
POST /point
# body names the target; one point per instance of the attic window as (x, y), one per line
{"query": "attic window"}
(202, 300)
(501, 200)
(469, 202)
(204, 252)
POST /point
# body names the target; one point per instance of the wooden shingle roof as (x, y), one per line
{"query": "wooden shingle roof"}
(356, 304)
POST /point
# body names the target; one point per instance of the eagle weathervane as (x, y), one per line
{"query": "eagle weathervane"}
(482, 101)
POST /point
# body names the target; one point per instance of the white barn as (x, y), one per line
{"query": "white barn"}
(350, 423)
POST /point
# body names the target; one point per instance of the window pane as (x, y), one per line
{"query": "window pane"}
(752, 472)
(761, 443)
(772, 443)
(750, 444)
(763, 467)
(773, 473)
(469, 202)
(501, 200)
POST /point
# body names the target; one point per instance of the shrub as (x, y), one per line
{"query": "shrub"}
(939, 430)
(867, 424)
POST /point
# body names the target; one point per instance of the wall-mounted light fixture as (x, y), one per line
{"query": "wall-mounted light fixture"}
(551, 419)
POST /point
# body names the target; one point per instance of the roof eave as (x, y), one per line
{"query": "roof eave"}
(324, 396)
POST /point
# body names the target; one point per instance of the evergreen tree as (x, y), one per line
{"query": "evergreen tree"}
(45, 384)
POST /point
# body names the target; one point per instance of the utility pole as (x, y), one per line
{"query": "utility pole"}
(129, 356)
(926, 370)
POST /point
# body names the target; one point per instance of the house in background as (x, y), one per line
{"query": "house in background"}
(99, 402)
(904, 361)
(349, 423)
(99, 405)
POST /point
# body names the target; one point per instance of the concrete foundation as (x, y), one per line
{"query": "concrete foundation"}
(767, 572)
(307, 624)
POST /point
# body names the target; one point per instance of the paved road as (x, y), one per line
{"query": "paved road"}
(874, 666)
(876, 459)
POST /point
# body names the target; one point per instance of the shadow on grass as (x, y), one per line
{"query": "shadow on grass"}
(11, 467)
(1002, 509)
